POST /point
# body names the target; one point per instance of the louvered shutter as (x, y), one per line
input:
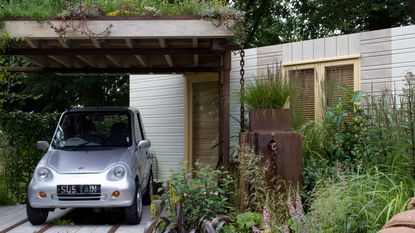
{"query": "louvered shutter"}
(336, 78)
(302, 102)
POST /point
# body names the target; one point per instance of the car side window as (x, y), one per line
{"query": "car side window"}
(137, 129)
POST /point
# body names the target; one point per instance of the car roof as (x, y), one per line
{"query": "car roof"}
(102, 109)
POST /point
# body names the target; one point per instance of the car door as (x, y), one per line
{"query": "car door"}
(141, 153)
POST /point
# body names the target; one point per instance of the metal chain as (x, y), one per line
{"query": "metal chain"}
(242, 91)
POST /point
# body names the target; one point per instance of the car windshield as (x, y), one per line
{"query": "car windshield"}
(92, 129)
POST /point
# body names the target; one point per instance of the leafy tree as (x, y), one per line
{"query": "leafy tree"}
(280, 21)
(48, 92)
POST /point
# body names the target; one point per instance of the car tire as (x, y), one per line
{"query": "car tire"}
(149, 190)
(36, 216)
(134, 212)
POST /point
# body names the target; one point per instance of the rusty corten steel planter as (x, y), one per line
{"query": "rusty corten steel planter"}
(285, 160)
(270, 120)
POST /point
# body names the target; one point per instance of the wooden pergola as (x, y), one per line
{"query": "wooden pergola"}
(135, 45)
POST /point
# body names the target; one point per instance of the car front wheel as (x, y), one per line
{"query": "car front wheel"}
(134, 212)
(36, 216)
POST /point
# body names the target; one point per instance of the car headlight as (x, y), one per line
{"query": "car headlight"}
(43, 174)
(116, 173)
(119, 172)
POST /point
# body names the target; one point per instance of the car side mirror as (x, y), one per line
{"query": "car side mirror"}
(42, 145)
(143, 144)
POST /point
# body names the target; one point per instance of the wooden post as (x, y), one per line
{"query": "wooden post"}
(224, 111)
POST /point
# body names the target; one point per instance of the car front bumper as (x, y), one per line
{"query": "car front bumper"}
(125, 186)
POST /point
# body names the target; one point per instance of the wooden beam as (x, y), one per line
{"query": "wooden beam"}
(138, 57)
(60, 61)
(110, 51)
(110, 58)
(150, 28)
(85, 60)
(167, 57)
(36, 62)
(147, 70)
(195, 56)
(32, 44)
(224, 109)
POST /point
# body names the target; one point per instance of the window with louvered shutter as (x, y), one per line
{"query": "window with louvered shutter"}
(336, 78)
(302, 102)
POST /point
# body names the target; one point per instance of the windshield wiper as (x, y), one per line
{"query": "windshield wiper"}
(79, 145)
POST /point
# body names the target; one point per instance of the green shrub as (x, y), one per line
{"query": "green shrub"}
(359, 202)
(202, 193)
(23, 130)
(247, 220)
(353, 135)
(367, 143)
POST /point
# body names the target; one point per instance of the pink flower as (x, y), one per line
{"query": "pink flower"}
(266, 217)
(286, 229)
(256, 230)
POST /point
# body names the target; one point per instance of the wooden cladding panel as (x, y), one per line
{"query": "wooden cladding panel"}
(338, 77)
(303, 100)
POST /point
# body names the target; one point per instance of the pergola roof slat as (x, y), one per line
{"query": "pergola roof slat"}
(110, 51)
(173, 45)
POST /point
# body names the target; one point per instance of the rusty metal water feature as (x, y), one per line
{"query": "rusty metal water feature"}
(270, 136)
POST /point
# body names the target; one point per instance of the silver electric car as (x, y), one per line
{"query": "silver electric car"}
(98, 158)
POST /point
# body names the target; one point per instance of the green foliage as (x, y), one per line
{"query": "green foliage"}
(203, 193)
(271, 91)
(359, 202)
(46, 92)
(360, 161)
(259, 192)
(246, 220)
(272, 22)
(62, 222)
(22, 130)
(43, 9)
(39, 9)
(5, 198)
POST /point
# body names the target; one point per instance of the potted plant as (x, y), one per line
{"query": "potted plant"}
(266, 97)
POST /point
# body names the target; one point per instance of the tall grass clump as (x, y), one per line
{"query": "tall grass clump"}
(359, 202)
(269, 91)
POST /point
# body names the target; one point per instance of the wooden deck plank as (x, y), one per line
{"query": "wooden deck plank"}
(28, 227)
(11, 215)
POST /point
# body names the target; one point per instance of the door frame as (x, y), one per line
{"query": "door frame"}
(188, 112)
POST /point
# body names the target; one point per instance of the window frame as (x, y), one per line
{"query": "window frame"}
(320, 77)
(137, 118)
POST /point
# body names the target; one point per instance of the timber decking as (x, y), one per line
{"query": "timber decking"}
(13, 220)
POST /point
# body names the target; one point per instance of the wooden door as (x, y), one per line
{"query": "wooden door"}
(205, 121)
